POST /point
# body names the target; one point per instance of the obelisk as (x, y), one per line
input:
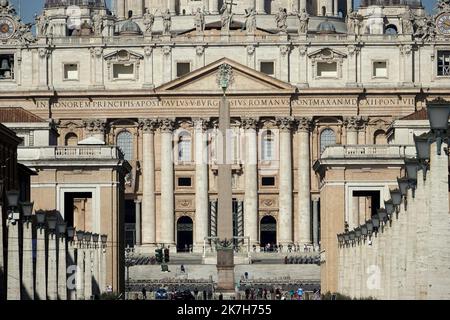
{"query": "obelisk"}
(224, 246)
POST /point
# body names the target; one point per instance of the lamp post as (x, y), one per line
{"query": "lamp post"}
(104, 239)
(412, 165)
(87, 266)
(396, 197)
(13, 267)
(41, 258)
(27, 251)
(369, 225)
(80, 265)
(62, 261)
(423, 152)
(376, 223)
(71, 263)
(52, 280)
(389, 206)
(95, 264)
(438, 112)
(364, 231)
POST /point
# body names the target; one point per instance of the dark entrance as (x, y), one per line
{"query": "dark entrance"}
(268, 231)
(185, 228)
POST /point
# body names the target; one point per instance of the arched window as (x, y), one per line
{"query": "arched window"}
(71, 139)
(125, 143)
(379, 137)
(327, 138)
(184, 147)
(268, 142)
(391, 29)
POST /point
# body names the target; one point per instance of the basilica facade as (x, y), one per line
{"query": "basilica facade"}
(307, 75)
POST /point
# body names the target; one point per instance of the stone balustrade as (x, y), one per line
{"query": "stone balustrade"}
(368, 151)
(69, 152)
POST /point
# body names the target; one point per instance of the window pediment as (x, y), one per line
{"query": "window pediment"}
(327, 55)
(123, 56)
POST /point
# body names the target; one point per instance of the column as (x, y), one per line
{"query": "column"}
(167, 63)
(214, 6)
(251, 220)
(13, 267)
(302, 5)
(259, 6)
(335, 8)
(284, 63)
(27, 260)
(43, 67)
(167, 223)
(80, 270)
(71, 263)
(171, 6)
(95, 268)
(201, 183)
(316, 222)
(2, 260)
(52, 280)
(304, 182)
(329, 11)
(352, 131)
(88, 271)
(293, 6)
(62, 267)
(95, 128)
(285, 183)
(148, 214)
(97, 67)
(138, 227)
(406, 54)
(422, 237)
(349, 6)
(148, 67)
(41, 265)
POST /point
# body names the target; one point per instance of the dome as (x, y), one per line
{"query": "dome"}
(130, 27)
(326, 27)
(79, 3)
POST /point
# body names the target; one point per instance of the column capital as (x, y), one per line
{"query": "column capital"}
(250, 123)
(95, 125)
(201, 124)
(166, 125)
(148, 125)
(304, 124)
(285, 124)
(355, 122)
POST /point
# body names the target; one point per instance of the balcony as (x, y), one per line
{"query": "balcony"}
(368, 152)
(69, 153)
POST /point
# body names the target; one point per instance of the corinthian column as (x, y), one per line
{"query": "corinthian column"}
(201, 183)
(251, 181)
(214, 6)
(259, 6)
(304, 182)
(171, 5)
(352, 130)
(13, 266)
(95, 128)
(167, 223)
(148, 213)
(285, 177)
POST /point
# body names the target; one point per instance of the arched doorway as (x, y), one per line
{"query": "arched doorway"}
(185, 228)
(268, 229)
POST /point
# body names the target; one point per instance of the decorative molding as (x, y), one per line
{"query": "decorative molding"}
(200, 50)
(166, 125)
(166, 50)
(95, 125)
(148, 51)
(284, 50)
(285, 124)
(304, 124)
(250, 50)
(148, 125)
(250, 123)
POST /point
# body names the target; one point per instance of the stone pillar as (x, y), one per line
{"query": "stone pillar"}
(95, 268)
(259, 6)
(439, 230)
(201, 184)
(52, 280)
(62, 267)
(27, 260)
(214, 6)
(335, 8)
(138, 225)
(41, 265)
(406, 55)
(411, 249)
(352, 130)
(251, 220)
(148, 67)
(329, 11)
(349, 6)
(316, 222)
(167, 63)
(88, 271)
(2, 260)
(285, 183)
(148, 214)
(97, 66)
(302, 5)
(303, 66)
(304, 182)
(71, 263)
(13, 267)
(352, 64)
(43, 54)
(167, 223)
(284, 60)
(80, 270)
(422, 222)
(171, 6)
(95, 128)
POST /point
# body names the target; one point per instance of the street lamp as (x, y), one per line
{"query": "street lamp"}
(40, 218)
(346, 237)
(382, 213)
(376, 222)
(70, 233)
(422, 152)
(389, 206)
(358, 233)
(438, 112)
(340, 237)
(87, 236)
(95, 237)
(52, 219)
(104, 238)
(369, 225)
(27, 210)
(80, 235)
(62, 227)
(364, 230)
(396, 197)
(12, 198)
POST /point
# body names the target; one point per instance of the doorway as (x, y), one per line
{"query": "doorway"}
(185, 236)
(268, 231)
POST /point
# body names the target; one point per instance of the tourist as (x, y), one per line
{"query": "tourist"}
(183, 270)
(144, 293)
(246, 275)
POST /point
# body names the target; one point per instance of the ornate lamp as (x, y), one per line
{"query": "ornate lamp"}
(70, 233)
(52, 219)
(358, 232)
(376, 221)
(80, 235)
(403, 185)
(340, 237)
(104, 238)
(95, 237)
(346, 237)
(62, 227)
(87, 236)
(40, 218)
(412, 165)
(27, 210)
(438, 112)
(396, 197)
(352, 235)
(422, 147)
(364, 230)
(12, 197)
(369, 225)
(389, 206)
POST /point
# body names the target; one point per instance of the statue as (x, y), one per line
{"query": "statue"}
(25, 33)
(98, 24)
(443, 5)
(354, 23)
(6, 8)
(303, 18)
(280, 19)
(41, 24)
(407, 19)
(227, 15)
(425, 29)
(149, 20)
(250, 20)
(199, 20)
(167, 22)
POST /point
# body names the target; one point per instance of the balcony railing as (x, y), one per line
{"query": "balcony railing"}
(69, 153)
(368, 151)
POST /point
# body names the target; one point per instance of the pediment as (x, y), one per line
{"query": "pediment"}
(327, 54)
(245, 80)
(123, 55)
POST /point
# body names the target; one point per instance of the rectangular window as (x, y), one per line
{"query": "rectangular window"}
(123, 71)
(268, 181)
(70, 71)
(327, 70)
(443, 67)
(380, 69)
(6, 67)
(185, 182)
(183, 68)
(268, 68)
